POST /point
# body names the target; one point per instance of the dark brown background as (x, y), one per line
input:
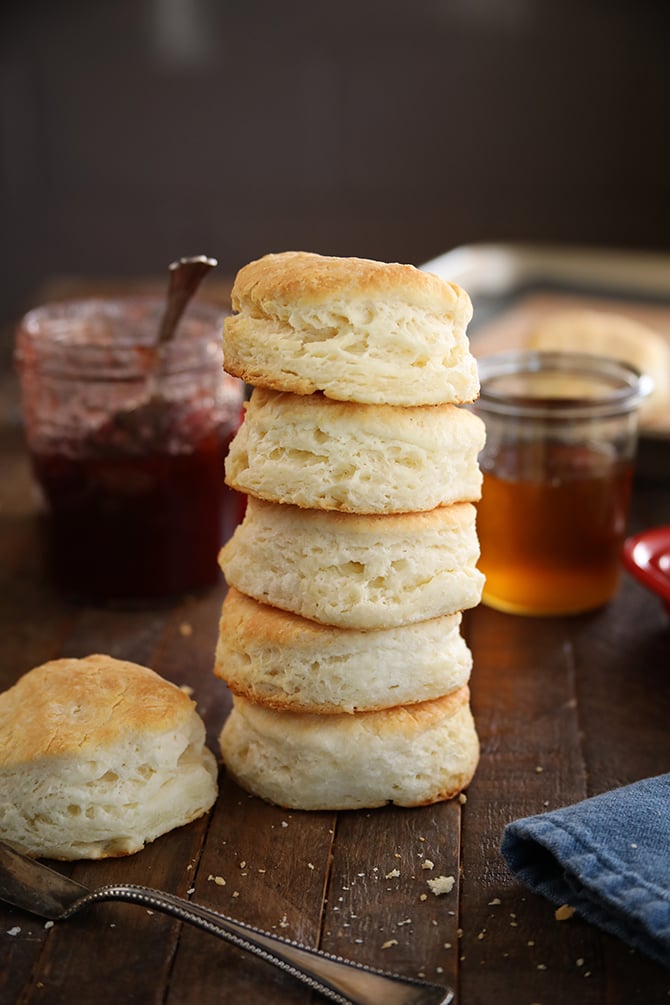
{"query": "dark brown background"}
(136, 131)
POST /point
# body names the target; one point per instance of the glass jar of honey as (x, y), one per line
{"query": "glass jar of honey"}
(561, 436)
(128, 443)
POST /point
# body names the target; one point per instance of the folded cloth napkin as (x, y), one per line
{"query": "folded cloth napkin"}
(608, 857)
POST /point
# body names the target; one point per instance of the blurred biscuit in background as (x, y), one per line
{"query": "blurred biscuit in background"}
(609, 334)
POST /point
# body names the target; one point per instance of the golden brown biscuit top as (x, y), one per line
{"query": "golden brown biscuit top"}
(305, 279)
(398, 721)
(72, 706)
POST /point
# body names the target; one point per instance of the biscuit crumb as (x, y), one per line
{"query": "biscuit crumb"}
(393, 874)
(185, 629)
(14, 931)
(427, 864)
(564, 912)
(495, 902)
(219, 880)
(442, 884)
(462, 798)
(424, 896)
(389, 943)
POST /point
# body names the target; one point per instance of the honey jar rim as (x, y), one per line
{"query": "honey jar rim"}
(617, 386)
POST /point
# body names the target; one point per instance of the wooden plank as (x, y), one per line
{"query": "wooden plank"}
(380, 909)
(523, 688)
(540, 703)
(265, 866)
(185, 655)
(623, 659)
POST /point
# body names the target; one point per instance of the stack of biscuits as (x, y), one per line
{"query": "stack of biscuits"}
(340, 635)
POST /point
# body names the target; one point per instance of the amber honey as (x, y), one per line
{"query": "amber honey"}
(551, 527)
(561, 435)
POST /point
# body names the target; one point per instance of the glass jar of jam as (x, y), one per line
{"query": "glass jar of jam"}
(561, 435)
(128, 443)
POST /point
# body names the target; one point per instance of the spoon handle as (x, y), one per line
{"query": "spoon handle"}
(186, 274)
(339, 980)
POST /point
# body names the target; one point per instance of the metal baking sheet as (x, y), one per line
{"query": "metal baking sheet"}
(512, 285)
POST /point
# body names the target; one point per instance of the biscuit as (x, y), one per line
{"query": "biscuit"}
(287, 662)
(99, 756)
(356, 571)
(617, 336)
(410, 756)
(314, 452)
(356, 329)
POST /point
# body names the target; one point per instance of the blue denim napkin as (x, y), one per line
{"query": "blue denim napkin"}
(608, 857)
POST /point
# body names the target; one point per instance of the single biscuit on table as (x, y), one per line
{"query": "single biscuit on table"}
(99, 756)
(355, 571)
(356, 329)
(410, 756)
(286, 662)
(317, 453)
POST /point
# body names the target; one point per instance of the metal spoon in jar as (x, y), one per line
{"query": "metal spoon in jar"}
(147, 419)
(186, 274)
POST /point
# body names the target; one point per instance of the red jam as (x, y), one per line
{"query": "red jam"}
(145, 526)
(128, 445)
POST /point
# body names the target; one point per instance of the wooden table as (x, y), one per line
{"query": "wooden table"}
(565, 709)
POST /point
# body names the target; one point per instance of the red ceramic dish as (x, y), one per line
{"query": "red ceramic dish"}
(647, 557)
